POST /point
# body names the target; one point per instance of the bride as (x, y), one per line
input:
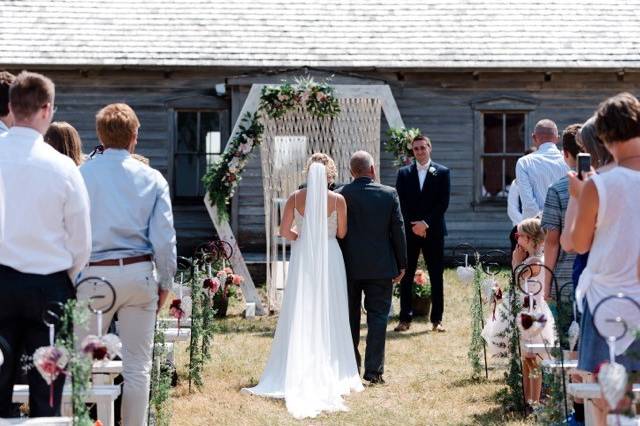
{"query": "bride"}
(312, 362)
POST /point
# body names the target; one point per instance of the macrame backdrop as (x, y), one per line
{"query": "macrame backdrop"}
(357, 127)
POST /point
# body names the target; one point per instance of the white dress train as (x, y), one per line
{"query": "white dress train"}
(312, 363)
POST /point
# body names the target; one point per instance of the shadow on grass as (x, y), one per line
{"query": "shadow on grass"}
(394, 335)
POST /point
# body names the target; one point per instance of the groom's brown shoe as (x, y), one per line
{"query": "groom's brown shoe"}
(403, 326)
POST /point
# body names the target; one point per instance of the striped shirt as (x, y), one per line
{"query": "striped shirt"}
(535, 173)
(555, 207)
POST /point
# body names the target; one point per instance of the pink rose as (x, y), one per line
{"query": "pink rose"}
(320, 97)
(237, 280)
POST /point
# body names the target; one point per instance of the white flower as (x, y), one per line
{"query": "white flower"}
(245, 148)
(432, 170)
(410, 146)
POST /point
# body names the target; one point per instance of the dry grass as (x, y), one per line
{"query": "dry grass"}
(427, 375)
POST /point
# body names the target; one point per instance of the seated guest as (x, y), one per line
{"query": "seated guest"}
(607, 224)
(555, 206)
(47, 236)
(134, 247)
(65, 139)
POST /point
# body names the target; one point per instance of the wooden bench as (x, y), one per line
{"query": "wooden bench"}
(620, 420)
(554, 363)
(42, 421)
(589, 392)
(173, 323)
(101, 395)
(539, 348)
(172, 335)
(103, 372)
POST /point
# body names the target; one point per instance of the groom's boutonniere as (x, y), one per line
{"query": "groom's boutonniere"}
(433, 171)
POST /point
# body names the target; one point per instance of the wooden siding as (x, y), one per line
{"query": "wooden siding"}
(440, 103)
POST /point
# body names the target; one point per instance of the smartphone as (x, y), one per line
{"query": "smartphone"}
(584, 163)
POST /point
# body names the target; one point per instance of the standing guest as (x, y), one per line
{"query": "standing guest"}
(132, 225)
(47, 237)
(537, 171)
(607, 224)
(601, 161)
(65, 139)
(6, 116)
(423, 188)
(610, 200)
(555, 206)
(514, 206)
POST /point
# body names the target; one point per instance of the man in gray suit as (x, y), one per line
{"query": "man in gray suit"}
(375, 256)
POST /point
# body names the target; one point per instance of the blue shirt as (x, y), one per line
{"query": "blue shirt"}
(535, 173)
(130, 211)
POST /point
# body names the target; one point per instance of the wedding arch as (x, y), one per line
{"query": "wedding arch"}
(289, 122)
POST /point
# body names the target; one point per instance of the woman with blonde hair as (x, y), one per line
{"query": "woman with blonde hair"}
(65, 139)
(312, 362)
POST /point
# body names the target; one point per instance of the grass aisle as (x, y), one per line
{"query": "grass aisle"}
(427, 375)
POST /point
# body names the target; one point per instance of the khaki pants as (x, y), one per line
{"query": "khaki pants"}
(136, 302)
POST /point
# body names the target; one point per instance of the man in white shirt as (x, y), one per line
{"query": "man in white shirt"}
(47, 236)
(537, 171)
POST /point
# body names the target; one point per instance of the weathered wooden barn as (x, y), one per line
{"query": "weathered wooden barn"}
(473, 75)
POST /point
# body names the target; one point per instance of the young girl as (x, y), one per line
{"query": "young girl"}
(535, 321)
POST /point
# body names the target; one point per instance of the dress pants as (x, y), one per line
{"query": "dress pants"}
(136, 287)
(432, 249)
(24, 297)
(377, 302)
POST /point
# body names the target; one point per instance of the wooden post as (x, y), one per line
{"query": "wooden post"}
(237, 261)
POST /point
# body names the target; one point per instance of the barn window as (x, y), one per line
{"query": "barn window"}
(199, 142)
(501, 126)
(503, 142)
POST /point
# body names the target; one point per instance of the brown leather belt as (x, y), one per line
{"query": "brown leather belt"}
(125, 261)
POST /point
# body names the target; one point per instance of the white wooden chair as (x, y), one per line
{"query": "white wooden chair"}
(101, 395)
(40, 421)
(103, 372)
(589, 392)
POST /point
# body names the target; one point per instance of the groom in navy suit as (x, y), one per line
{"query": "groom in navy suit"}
(423, 188)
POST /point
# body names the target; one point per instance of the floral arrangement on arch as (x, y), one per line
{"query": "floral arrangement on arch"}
(399, 144)
(421, 286)
(223, 177)
(317, 99)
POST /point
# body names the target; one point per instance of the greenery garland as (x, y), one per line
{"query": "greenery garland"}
(79, 366)
(399, 144)
(512, 398)
(476, 345)
(222, 178)
(196, 358)
(161, 374)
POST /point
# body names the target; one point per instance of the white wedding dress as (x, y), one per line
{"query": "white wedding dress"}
(312, 362)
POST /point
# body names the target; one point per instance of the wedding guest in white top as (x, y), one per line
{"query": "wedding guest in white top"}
(537, 171)
(6, 117)
(608, 224)
(134, 247)
(47, 237)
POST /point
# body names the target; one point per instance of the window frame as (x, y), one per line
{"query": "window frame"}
(193, 104)
(504, 105)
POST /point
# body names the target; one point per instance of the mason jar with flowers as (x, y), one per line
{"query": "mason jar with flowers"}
(221, 288)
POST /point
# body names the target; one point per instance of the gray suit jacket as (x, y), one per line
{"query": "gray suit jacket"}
(374, 247)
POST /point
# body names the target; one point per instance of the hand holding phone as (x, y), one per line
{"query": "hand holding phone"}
(584, 164)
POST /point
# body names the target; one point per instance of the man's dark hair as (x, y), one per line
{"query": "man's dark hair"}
(618, 118)
(422, 138)
(569, 141)
(6, 79)
(29, 93)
